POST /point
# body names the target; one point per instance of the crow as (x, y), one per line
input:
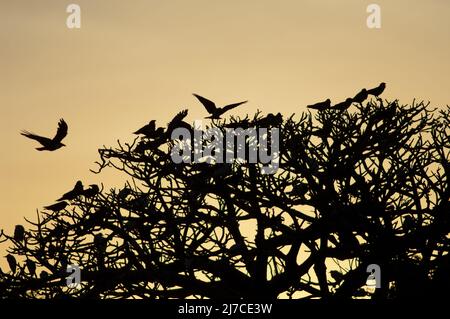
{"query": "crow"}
(177, 121)
(31, 265)
(343, 105)
(19, 233)
(378, 90)
(11, 262)
(212, 109)
(270, 120)
(91, 191)
(74, 193)
(47, 143)
(321, 105)
(361, 96)
(150, 130)
(57, 207)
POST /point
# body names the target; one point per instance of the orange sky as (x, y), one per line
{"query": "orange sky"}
(133, 61)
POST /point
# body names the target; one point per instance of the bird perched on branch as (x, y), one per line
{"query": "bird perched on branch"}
(47, 143)
(150, 130)
(31, 265)
(74, 193)
(361, 96)
(212, 109)
(19, 233)
(377, 91)
(91, 191)
(57, 207)
(343, 105)
(321, 105)
(12, 263)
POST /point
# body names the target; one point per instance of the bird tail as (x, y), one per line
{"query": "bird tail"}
(41, 148)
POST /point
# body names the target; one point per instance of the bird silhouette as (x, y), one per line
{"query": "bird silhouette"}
(177, 121)
(11, 262)
(49, 144)
(57, 206)
(91, 191)
(150, 130)
(31, 265)
(74, 193)
(269, 120)
(321, 105)
(361, 96)
(343, 105)
(377, 91)
(215, 111)
(19, 233)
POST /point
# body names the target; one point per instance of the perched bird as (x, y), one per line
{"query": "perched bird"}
(215, 111)
(361, 96)
(91, 191)
(74, 193)
(337, 276)
(321, 105)
(150, 130)
(147, 129)
(31, 265)
(343, 105)
(47, 143)
(377, 91)
(11, 262)
(19, 233)
(57, 207)
(270, 120)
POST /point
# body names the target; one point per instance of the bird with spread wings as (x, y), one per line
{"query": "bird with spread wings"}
(50, 144)
(214, 111)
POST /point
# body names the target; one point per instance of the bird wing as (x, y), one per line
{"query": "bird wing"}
(210, 106)
(178, 118)
(142, 130)
(61, 132)
(232, 106)
(41, 139)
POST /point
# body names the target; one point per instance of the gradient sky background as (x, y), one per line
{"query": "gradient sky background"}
(133, 61)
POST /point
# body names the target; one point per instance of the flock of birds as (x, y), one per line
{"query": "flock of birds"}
(149, 130)
(152, 132)
(358, 98)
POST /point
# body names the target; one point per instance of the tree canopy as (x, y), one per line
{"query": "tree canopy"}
(367, 185)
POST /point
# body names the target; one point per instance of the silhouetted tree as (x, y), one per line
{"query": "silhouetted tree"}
(358, 186)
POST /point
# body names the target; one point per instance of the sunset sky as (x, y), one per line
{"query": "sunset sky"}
(132, 61)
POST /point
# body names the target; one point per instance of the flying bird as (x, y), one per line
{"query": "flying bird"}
(150, 130)
(377, 91)
(57, 207)
(19, 233)
(49, 144)
(215, 111)
(361, 96)
(321, 105)
(343, 105)
(177, 121)
(74, 193)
